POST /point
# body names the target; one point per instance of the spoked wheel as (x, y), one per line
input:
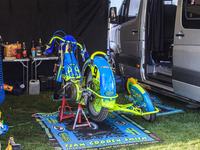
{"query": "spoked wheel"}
(94, 105)
(142, 99)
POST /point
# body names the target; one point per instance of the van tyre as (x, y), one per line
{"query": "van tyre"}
(114, 63)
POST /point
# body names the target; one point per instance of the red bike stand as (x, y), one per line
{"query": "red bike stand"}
(78, 117)
(63, 109)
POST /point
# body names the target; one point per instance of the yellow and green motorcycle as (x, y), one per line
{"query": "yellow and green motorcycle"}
(94, 86)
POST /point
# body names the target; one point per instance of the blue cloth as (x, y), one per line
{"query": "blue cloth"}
(2, 92)
(4, 129)
(71, 39)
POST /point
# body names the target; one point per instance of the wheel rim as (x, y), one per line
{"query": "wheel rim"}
(95, 105)
(146, 117)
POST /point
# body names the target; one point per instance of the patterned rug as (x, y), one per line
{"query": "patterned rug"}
(114, 132)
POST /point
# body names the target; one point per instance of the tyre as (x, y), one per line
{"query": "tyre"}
(150, 118)
(114, 64)
(142, 99)
(94, 105)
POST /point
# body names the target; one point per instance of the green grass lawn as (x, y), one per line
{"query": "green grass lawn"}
(179, 131)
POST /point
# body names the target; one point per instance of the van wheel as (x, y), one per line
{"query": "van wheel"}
(114, 64)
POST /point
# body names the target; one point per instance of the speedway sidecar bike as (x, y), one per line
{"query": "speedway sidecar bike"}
(141, 103)
(95, 85)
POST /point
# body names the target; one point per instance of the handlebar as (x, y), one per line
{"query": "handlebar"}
(69, 42)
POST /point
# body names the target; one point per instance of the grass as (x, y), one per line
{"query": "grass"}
(179, 131)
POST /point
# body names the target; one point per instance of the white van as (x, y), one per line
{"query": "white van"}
(158, 42)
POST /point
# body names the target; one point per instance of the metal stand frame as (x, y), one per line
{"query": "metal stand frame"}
(63, 109)
(78, 117)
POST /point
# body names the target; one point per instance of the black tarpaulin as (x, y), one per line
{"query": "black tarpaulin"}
(27, 20)
(24, 20)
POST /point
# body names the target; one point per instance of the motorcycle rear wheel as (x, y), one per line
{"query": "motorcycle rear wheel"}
(95, 109)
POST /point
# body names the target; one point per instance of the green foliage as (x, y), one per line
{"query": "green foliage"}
(179, 131)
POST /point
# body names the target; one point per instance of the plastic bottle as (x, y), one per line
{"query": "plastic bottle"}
(33, 49)
(24, 52)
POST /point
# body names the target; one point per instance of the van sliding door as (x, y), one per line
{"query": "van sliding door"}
(186, 52)
(132, 38)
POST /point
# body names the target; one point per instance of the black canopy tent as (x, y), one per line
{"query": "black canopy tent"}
(25, 21)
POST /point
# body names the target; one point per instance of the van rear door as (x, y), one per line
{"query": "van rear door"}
(186, 52)
(132, 38)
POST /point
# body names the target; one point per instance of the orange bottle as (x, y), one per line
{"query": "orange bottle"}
(24, 52)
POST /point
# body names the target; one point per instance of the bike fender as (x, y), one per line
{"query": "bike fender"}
(102, 72)
(146, 103)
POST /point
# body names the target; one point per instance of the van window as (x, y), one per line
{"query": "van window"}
(123, 12)
(191, 14)
(129, 10)
(170, 2)
(133, 9)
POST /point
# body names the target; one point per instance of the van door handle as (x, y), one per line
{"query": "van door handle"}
(180, 34)
(134, 30)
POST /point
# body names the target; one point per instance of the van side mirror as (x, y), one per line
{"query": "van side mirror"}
(113, 15)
